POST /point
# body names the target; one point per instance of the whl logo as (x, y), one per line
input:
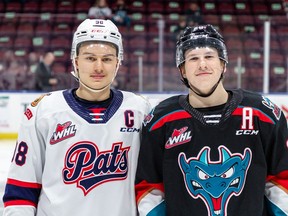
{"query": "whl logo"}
(63, 131)
(178, 137)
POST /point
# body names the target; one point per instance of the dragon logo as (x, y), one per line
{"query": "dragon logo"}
(215, 182)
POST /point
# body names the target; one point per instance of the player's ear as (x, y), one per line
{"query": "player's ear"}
(76, 62)
(223, 65)
(182, 70)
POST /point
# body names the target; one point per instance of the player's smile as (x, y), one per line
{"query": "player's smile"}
(203, 73)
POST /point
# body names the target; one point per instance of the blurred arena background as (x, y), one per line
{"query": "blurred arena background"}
(30, 28)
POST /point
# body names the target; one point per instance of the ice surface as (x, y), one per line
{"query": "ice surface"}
(6, 152)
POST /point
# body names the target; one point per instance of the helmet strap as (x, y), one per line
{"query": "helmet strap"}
(95, 90)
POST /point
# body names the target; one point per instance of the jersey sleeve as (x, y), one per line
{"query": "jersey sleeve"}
(276, 189)
(149, 181)
(25, 174)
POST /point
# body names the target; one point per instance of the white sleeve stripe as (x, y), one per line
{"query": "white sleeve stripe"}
(277, 196)
(150, 201)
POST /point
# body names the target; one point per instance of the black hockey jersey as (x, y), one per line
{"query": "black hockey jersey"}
(190, 165)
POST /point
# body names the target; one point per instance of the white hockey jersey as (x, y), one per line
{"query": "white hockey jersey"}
(68, 162)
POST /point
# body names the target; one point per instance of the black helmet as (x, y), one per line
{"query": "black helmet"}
(200, 36)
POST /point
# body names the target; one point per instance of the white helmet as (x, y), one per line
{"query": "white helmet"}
(97, 30)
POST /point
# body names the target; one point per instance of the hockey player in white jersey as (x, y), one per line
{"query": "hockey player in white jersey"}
(77, 149)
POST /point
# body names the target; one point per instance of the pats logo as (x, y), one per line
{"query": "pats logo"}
(63, 131)
(87, 167)
(178, 137)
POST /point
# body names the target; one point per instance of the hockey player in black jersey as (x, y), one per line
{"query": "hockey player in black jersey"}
(214, 152)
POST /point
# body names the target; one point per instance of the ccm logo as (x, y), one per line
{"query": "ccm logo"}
(123, 129)
(247, 132)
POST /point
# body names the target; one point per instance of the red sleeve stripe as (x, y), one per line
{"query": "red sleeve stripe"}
(262, 116)
(19, 202)
(177, 115)
(281, 180)
(144, 187)
(23, 184)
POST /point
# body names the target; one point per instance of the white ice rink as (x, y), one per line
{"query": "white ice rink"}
(6, 152)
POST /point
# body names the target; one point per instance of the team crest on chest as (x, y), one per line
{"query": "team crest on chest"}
(215, 182)
(87, 167)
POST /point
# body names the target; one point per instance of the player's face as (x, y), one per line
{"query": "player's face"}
(202, 68)
(96, 64)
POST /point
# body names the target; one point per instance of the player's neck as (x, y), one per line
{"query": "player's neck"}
(219, 97)
(85, 94)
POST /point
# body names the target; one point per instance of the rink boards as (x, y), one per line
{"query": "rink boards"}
(13, 105)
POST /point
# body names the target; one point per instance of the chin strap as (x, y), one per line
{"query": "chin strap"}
(89, 88)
